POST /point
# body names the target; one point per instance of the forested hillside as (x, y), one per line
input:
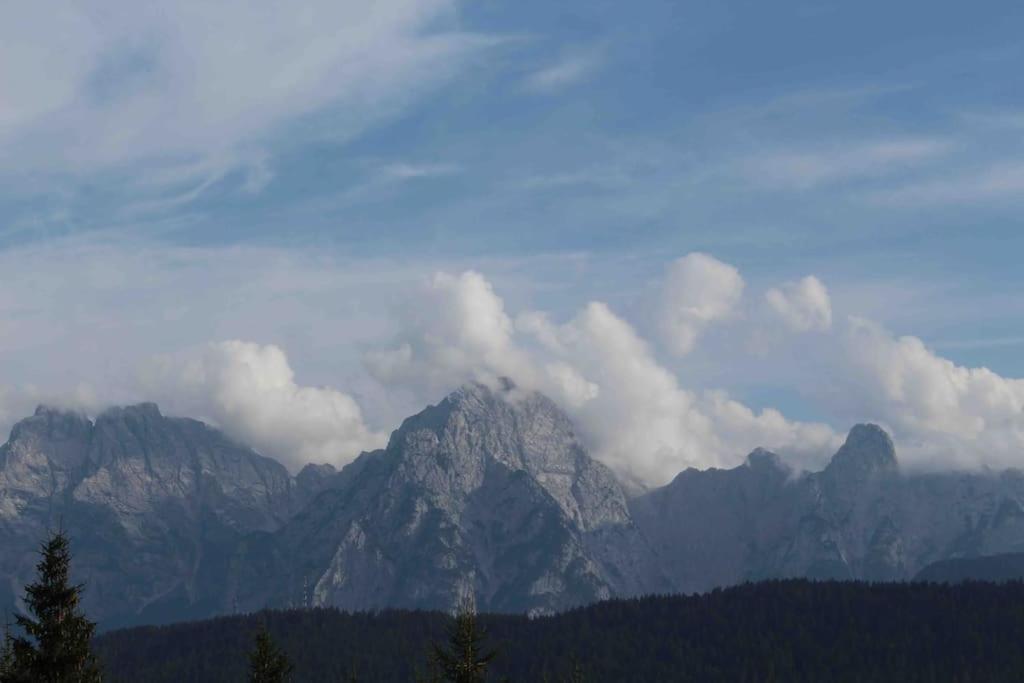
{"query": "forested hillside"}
(772, 631)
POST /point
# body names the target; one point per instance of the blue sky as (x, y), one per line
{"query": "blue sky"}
(568, 153)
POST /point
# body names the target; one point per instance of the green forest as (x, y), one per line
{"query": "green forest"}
(791, 630)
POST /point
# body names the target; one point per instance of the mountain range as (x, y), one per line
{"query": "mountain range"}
(489, 495)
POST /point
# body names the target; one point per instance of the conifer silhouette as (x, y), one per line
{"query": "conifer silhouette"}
(6, 656)
(464, 659)
(267, 663)
(54, 645)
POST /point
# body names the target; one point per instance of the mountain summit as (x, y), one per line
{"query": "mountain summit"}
(487, 494)
(151, 502)
(868, 450)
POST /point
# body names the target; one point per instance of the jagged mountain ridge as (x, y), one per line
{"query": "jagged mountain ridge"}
(153, 504)
(859, 518)
(488, 493)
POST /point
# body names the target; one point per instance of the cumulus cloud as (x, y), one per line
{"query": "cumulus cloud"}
(638, 418)
(947, 415)
(250, 391)
(631, 409)
(698, 290)
(646, 426)
(76, 320)
(803, 305)
(455, 331)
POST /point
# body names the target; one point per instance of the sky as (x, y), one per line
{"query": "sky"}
(699, 226)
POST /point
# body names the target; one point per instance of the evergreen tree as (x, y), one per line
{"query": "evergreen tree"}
(576, 675)
(6, 657)
(55, 645)
(267, 663)
(464, 659)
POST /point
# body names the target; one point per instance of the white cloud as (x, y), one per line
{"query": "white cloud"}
(646, 426)
(455, 331)
(630, 409)
(804, 305)
(948, 415)
(698, 290)
(570, 69)
(193, 81)
(77, 319)
(250, 391)
(638, 418)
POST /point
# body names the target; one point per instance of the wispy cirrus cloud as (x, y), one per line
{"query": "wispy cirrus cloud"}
(197, 89)
(824, 164)
(998, 182)
(571, 68)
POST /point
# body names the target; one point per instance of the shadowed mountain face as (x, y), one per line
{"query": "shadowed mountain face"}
(859, 518)
(992, 568)
(488, 494)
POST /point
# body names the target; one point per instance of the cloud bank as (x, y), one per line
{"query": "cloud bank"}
(631, 409)
(330, 355)
(250, 391)
(639, 419)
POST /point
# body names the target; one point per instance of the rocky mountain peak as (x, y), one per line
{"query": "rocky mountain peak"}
(868, 449)
(52, 423)
(139, 412)
(761, 459)
(478, 423)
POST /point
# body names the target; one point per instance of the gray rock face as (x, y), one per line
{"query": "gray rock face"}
(153, 504)
(488, 494)
(859, 518)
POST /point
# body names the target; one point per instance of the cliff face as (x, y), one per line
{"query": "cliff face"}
(488, 494)
(153, 504)
(859, 518)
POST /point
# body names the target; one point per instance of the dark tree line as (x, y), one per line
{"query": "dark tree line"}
(790, 630)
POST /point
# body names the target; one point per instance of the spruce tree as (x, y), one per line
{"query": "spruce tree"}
(6, 657)
(56, 638)
(267, 663)
(464, 659)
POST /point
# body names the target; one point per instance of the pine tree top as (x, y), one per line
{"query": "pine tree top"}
(464, 660)
(267, 663)
(56, 640)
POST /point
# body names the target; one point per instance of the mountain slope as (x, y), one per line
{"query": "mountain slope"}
(994, 568)
(860, 517)
(488, 494)
(153, 504)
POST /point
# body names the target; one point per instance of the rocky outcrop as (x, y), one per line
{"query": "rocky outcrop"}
(861, 517)
(488, 494)
(154, 506)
